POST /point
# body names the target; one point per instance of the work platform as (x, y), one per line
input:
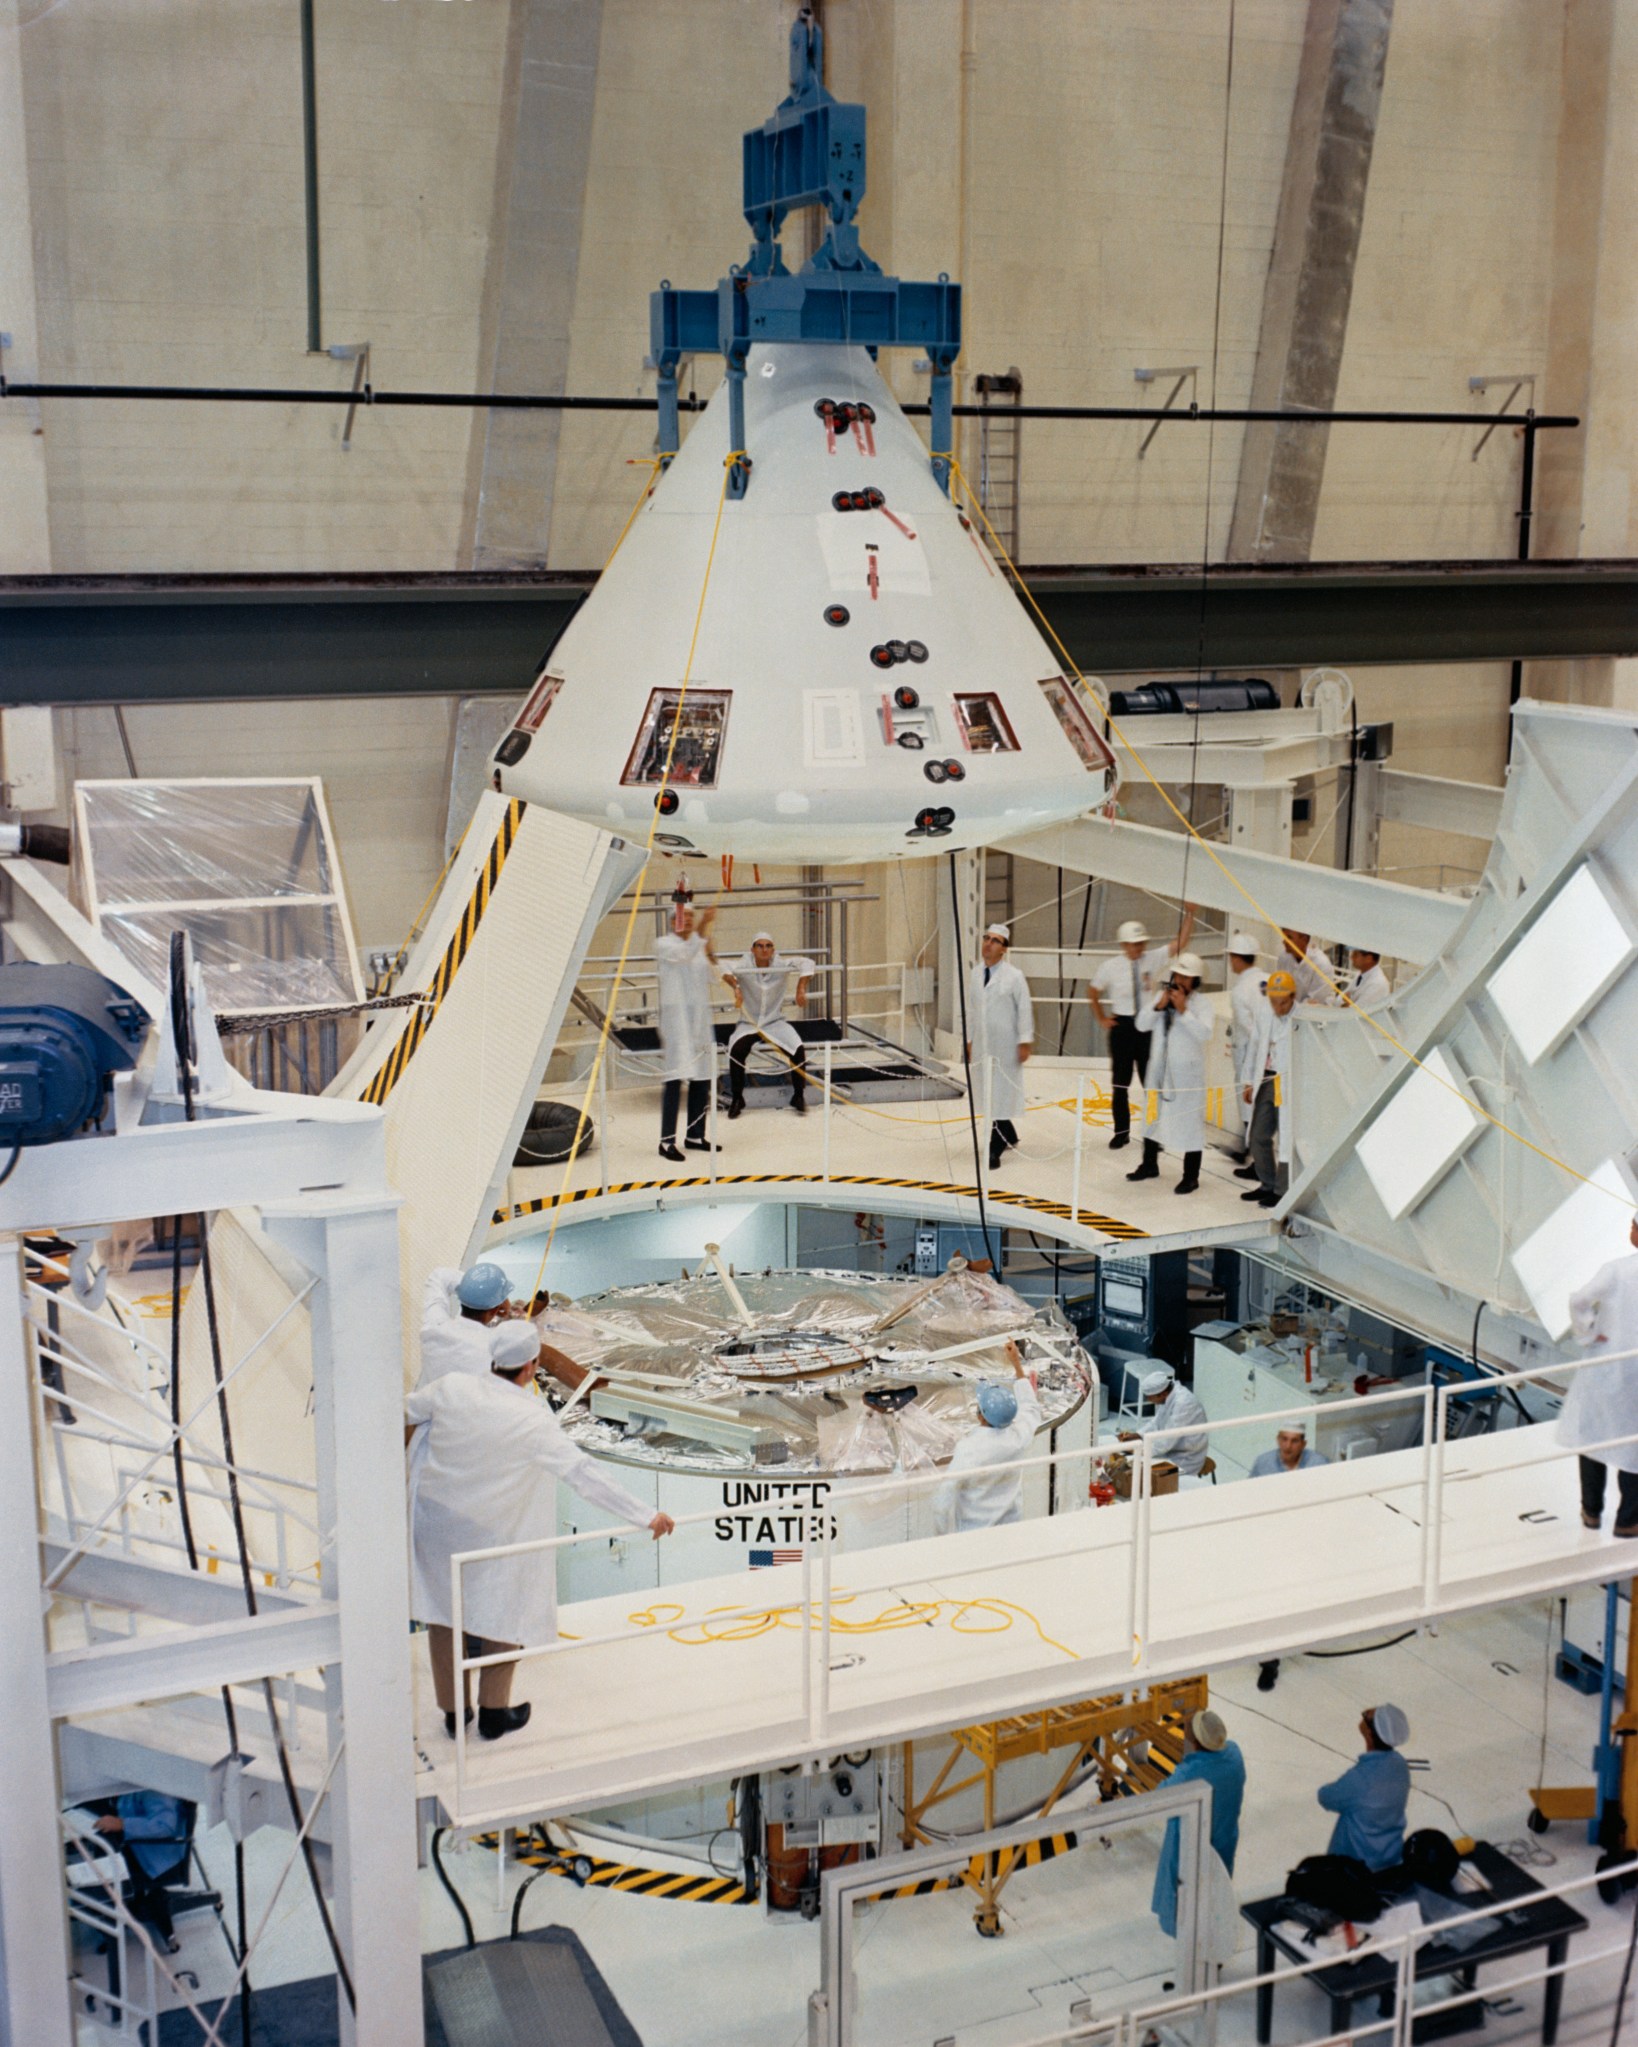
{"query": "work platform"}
(913, 1158)
(720, 1676)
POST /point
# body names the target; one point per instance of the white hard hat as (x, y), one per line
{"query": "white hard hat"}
(1156, 1381)
(513, 1345)
(1131, 933)
(1000, 931)
(1392, 1728)
(1189, 963)
(765, 938)
(1243, 944)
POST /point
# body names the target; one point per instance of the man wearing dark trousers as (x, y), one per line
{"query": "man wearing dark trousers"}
(1120, 990)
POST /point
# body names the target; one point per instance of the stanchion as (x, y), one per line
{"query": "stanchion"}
(1075, 1170)
(603, 1122)
(711, 1118)
(826, 1172)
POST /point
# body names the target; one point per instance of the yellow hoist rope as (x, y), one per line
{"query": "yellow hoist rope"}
(737, 1625)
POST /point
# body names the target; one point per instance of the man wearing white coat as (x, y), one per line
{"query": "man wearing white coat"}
(684, 959)
(982, 1490)
(484, 1451)
(458, 1310)
(1177, 1429)
(1180, 1023)
(1269, 1092)
(1245, 980)
(1001, 1018)
(1603, 1399)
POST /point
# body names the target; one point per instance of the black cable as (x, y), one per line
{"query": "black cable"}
(1080, 946)
(455, 1897)
(967, 1068)
(1365, 1649)
(1626, 1978)
(11, 1164)
(1353, 783)
(517, 1903)
(1512, 1392)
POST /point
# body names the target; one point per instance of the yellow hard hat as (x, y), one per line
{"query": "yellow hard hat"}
(1281, 984)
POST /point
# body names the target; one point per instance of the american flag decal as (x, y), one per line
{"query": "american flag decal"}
(764, 1559)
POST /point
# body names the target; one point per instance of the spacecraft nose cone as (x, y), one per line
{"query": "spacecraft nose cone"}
(831, 668)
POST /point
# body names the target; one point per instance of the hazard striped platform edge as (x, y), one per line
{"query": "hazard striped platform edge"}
(1036, 1204)
(636, 1880)
(391, 1070)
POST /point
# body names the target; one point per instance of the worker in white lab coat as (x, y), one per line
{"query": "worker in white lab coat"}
(684, 960)
(457, 1309)
(1307, 965)
(982, 1490)
(1119, 991)
(1245, 981)
(1001, 1018)
(484, 1452)
(1177, 1428)
(761, 981)
(1370, 988)
(1268, 1091)
(1603, 1399)
(1180, 1022)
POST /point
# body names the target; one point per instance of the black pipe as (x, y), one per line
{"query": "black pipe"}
(529, 401)
(309, 154)
(967, 1071)
(456, 1899)
(1527, 493)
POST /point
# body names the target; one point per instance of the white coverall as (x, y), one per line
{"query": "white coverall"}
(981, 1490)
(1370, 989)
(1245, 999)
(481, 1474)
(1272, 1043)
(1177, 1072)
(450, 1341)
(1001, 1017)
(764, 990)
(1177, 1431)
(685, 1006)
(1603, 1399)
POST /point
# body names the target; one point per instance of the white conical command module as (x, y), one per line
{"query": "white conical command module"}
(866, 682)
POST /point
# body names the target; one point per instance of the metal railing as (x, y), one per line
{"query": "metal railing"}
(1419, 1587)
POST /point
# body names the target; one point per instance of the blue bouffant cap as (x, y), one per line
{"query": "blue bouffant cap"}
(998, 1404)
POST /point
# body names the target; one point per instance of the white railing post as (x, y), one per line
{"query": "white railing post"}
(1075, 1169)
(1141, 1489)
(826, 1171)
(808, 1719)
(603, 1122)
(711, 1113)
(457, 1655)
(822, 1722)
(1435, 1422)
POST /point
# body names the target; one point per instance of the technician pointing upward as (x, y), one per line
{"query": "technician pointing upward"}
(1002, 1021)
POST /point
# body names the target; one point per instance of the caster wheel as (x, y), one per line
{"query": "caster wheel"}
(1610, 1887)
(988, 1929)
(1538, 1822)
(581, 1866)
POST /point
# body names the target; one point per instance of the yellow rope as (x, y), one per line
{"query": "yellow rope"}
(1234, 881)
(637, 885)
(740, 1626)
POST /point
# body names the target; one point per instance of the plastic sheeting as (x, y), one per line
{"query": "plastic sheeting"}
(685, 1338)
(246, 868)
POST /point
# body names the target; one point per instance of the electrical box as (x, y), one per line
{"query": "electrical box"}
(837, 1803)
(926, 1258)
(28, 757)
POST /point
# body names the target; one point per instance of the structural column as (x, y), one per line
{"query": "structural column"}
(351, 1244)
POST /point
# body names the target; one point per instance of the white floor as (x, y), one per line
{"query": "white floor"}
(1484, 1715)
(927, 1144)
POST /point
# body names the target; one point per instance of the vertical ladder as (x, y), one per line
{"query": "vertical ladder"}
(999, 439)
(998, 887)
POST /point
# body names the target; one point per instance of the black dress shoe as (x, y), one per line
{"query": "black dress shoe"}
(668, 1150)
(494, 1721)
(1246, 1173)
(1255, 1194)
(449, 1722)
(1120, 1139)
(1268, 1675)
(995, 1158)
(700, 1144)
(736, 1109)
(799, 1105)
(1187, 1187)
(1268, 1198)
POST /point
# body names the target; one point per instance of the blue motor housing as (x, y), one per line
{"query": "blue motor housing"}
(64, 1033)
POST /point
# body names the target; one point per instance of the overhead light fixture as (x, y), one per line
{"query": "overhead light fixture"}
(1419, 1136)
(1581, 1234)
(1568, 959)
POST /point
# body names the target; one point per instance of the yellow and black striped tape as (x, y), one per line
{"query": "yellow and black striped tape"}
(391, 1070)
(645, 1883)
(1037, 1204)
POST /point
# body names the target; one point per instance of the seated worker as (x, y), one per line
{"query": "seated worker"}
(1369, 1798)
(1177, 1429)
(760, 982)
(457, 1309)
(1290, 1453)
(981, 1492)
(151, 1832)
(1208, 1757)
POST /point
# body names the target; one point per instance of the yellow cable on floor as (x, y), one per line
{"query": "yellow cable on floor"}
(1234, 881)
(741, 1626)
